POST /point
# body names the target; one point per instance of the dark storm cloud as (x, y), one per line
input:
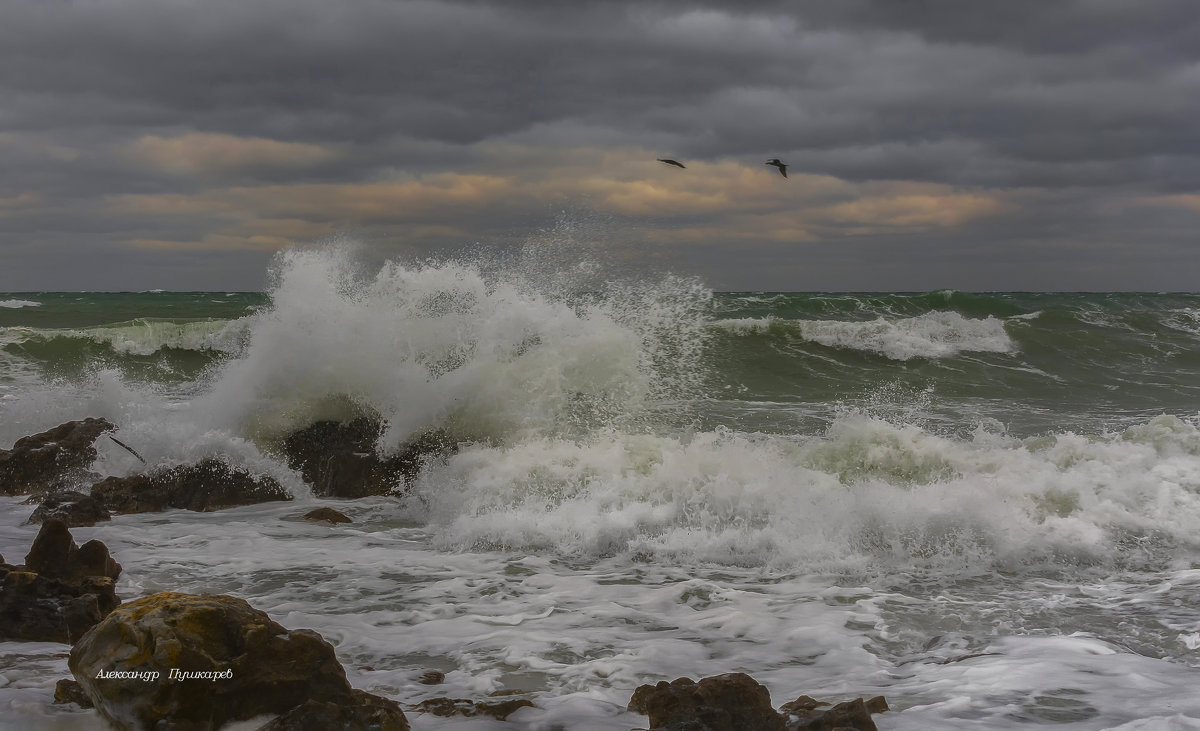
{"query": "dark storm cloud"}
(1026, 102)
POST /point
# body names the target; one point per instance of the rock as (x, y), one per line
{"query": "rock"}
(61, 592)
(366, 712)
(267, 669)
(730, 702)
(54, 459)
(432, 677)
(339, 459)
(55, 555)
(851, 715)
(326, 515)
(70, 691)
(72, 507)
(203, 487)
(447, 707)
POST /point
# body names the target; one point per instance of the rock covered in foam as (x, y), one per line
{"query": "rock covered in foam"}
(61, 592)
(340, 459)
(205, 486)
(53, 459)
(231, 662)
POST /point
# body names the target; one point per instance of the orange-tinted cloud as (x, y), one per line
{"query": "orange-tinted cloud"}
(707, 203)
(199, 153)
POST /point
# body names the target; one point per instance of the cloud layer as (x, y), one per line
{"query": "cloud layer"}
(932, 143)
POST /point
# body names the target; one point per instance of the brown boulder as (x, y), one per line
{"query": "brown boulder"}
(72, 507)
(203, 487)
(340, 459)
(367, 712)
(54, 459)
(61, 592)
(237, 664)
(730, 702)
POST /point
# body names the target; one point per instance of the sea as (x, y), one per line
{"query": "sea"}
(983, 506)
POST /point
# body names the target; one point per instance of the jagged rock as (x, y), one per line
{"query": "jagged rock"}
(54, 459)
(447, 707)
(61, 592)
(852, 715)
(366, 712)
(72, 507)
(432, 677)
(203, 487)
(730, 702)
(266, 669)
(339, 459)
(70, 691)
(326, 515)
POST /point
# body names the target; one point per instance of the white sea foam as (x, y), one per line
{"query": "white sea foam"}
(18, 304)
(867, 493)
(931, 335)
(145, 336)
(491, 354)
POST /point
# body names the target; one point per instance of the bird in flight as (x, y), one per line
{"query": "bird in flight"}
(669, 161)
(781, 165)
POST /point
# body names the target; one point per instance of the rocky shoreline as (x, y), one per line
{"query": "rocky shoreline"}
(202, 661)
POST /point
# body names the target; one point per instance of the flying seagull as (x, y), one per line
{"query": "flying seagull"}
(668, 161)
(781, 165)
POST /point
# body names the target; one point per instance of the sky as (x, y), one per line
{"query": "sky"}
(1016, 145)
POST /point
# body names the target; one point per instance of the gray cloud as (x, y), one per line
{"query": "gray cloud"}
(1087, 101)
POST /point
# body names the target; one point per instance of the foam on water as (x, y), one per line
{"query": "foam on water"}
(488, 354)
(145, 336)
(589, 536)
(866, 496)
(16, 304)
(930, 335)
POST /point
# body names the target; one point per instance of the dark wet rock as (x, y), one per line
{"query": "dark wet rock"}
(803, 704)
(55, 555)
(432, 677)
(270, 670)
(61, 592)
(447, 707)
(54, 459)
(72, 507)
(367, 712)
(730, 702)
(852, 715)
(70, 691)
(326, 515)
(340, 459)
(205, 486)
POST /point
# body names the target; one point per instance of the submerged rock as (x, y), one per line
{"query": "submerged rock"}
(326, 515)
(364, 711)
(236, 663)
(498, 709)
(854, 715)
(203, 487)
(730, 702)
(61, 592)
(72, 507)
(736, 702)
(339, 459)
(54, 459)
(70, 691)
